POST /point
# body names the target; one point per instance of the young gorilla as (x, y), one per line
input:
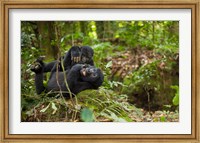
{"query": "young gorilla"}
(80, 77)
(76, 55)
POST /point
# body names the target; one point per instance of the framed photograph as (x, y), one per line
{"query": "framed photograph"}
(105, 71)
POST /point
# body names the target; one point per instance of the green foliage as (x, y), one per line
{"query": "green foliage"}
(152, 82)
(150, 78)
(44, 108)
(176, 97)
(101, 52)
(28, 57)
(152, 34)
(146, 76)
(105, 103)
(93, 105)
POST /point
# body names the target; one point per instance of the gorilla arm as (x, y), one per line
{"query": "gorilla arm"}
(73, 79)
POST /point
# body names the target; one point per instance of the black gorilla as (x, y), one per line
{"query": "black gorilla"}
(80, 77)
(76, 55)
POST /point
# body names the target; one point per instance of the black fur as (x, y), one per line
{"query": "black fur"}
(75, 55)
(80, 77)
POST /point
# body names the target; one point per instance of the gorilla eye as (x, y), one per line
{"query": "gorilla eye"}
(94, 75)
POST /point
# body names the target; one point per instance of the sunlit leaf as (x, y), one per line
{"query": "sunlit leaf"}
(176, 99)
(109, 64)
(44, 109)
(53, 106)
(162, 119)
(62, 39)
(45, 83)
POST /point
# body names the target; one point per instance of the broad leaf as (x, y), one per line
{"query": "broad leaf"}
(87, 115)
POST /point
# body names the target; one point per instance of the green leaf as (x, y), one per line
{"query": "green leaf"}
(176, 97)
(45, 83)
(62, 39)
(109, 64)
(87, 115)
(176, 100)
(162, 119)
(53, 106)
(44, 109)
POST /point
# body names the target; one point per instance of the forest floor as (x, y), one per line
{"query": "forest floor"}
(157, 116)
(122, 64)
(133, 60)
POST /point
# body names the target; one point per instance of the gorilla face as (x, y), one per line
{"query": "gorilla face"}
(86, 54)
(90, 73)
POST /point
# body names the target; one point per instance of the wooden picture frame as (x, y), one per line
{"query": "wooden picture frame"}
(32, 4)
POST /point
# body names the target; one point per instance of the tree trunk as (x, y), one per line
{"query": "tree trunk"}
(47, 37)
(100, 29)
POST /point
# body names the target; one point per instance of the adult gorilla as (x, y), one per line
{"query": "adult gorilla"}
(80, 77)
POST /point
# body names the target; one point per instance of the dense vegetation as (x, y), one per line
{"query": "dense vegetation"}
(139, 59)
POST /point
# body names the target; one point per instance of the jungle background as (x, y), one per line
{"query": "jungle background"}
(139, 60)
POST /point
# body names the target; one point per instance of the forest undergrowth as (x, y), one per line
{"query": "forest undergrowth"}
(139, 60)
(119, 99)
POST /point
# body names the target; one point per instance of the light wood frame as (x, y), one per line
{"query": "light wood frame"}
(185, 4)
